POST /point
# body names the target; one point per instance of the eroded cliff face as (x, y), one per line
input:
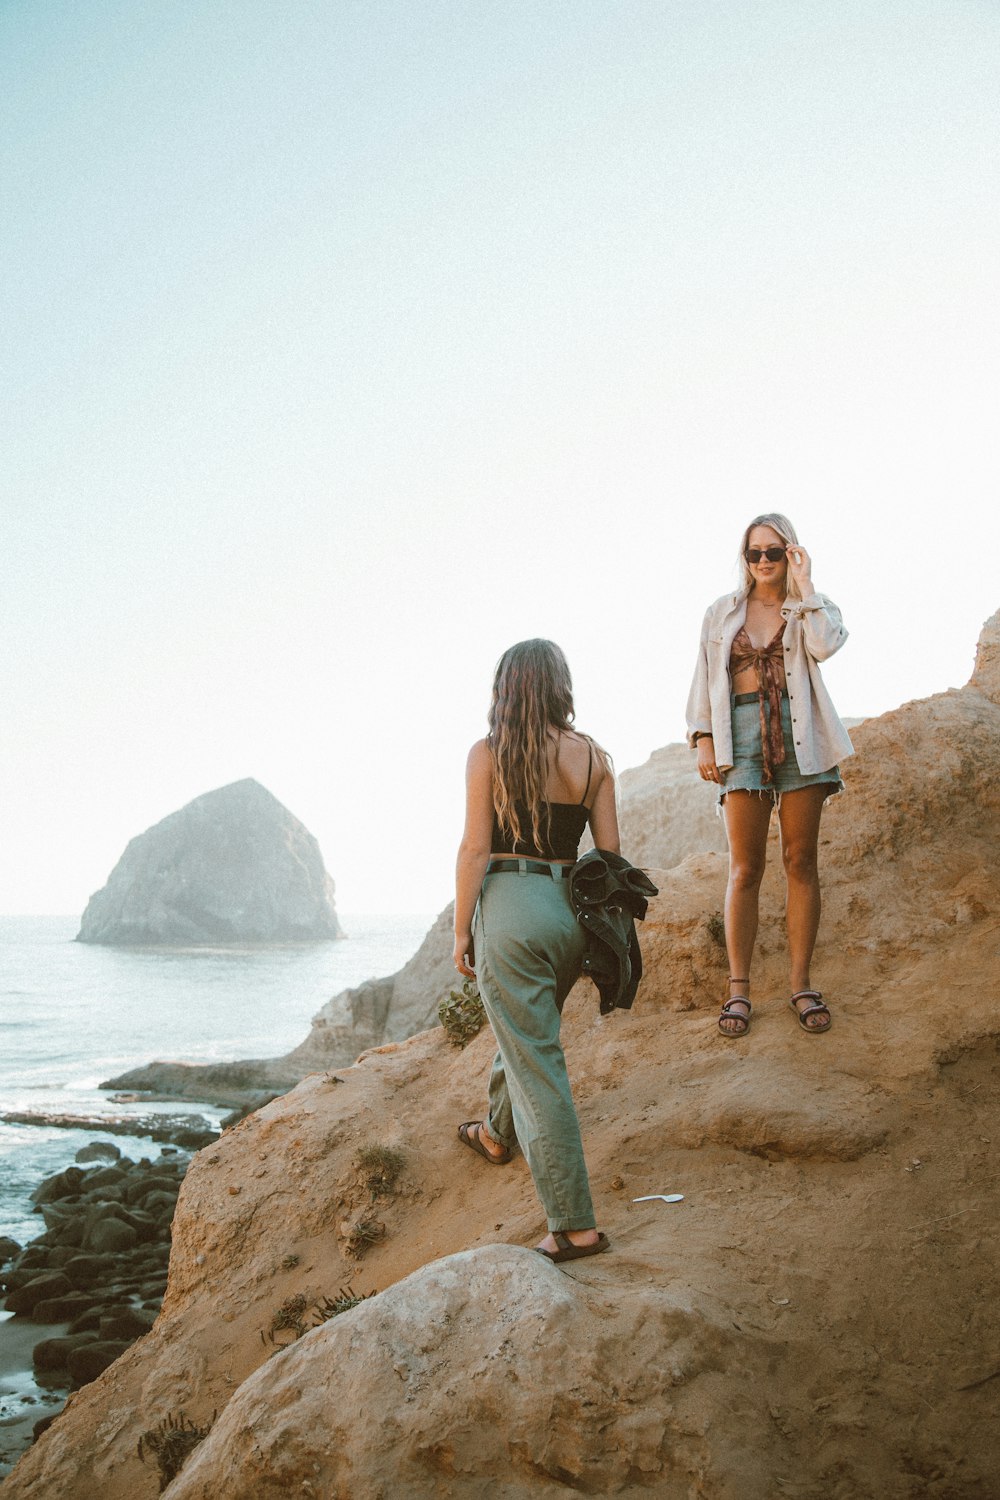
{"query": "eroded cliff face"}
(809, 1321)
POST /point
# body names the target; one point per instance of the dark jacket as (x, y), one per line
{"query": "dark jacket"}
(608, 894)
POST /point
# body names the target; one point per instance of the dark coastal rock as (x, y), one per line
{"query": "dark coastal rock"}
(60, 1309)
(105, 1177)
(8, 1249)
(233, 866)
(108, 1298)
(52, 1354)
(234, 1084)
(89, 1360)
(129, 1323)
(23, 1300)
(188, 1132)
(66, 1184)
(110, 1234)
(86, 1271)
(98, 1151)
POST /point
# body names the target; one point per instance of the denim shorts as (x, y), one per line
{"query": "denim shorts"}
(747, 771)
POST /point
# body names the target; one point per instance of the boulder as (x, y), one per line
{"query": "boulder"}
(9, 1249)
(98, 1151)
(86, 1271)
(38, 1290)
(61, 1309)
(482, 1403)
(233, 866)
(105, 1177)
(67, 1184)
(110, 1235)
(129, 1323)
(88, 1360)
(52, 1354)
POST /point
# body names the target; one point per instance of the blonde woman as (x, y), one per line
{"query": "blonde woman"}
(532, 787)
(768, 735)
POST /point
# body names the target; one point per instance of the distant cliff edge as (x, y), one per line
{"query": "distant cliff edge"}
(233, 866)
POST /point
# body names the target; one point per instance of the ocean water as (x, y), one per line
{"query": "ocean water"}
(73, 1015)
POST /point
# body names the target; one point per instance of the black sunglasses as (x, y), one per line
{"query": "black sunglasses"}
(773, 554)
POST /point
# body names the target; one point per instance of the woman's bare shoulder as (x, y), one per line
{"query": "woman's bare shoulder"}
(601, 758)
(479, 756)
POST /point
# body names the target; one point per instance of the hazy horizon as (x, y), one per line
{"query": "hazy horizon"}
(345, 345)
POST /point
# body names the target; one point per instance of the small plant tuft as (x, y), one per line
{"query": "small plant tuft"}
(289, 1318)
(170, 1444)
(331, 1307)
(297, 1315)
(381, 1166)
(716, 927)
(462, 1014)
(361, 1235)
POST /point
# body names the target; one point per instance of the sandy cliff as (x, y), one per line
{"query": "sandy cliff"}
(812, 1321)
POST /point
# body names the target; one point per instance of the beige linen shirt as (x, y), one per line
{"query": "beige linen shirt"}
(813, 631)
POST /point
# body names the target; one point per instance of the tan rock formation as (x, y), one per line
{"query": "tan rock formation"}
(813, 1320)
(667, 812)
(233, 866)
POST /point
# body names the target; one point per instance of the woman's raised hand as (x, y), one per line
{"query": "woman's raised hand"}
(707, 769)
(800, 567)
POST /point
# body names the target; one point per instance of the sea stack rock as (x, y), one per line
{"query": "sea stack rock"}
(233, 866)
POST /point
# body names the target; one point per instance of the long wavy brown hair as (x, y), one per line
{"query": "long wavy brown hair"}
(532, 692)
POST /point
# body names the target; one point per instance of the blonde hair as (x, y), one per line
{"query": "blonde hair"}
(532, 692)
(786, 531)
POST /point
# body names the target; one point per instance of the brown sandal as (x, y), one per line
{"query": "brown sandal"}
(568, 1251)
(475, 1144)
(818, 1008)
(736, 1015)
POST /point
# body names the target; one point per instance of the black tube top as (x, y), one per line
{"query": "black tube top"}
(565, 830)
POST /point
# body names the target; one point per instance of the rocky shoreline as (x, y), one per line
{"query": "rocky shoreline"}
(92, 1283)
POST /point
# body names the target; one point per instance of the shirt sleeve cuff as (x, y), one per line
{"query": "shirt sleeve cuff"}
(802, 606)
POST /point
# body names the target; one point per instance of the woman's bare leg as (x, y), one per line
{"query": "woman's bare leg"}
(799, 816)
(747, 818)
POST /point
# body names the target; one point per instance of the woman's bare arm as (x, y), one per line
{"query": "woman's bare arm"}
(604, 814)
(473, 852)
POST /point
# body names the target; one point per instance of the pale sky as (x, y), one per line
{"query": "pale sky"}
(343, 344)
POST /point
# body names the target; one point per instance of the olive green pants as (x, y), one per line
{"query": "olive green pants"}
(529, 948)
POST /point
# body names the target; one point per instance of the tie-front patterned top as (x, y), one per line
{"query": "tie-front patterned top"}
(769, 663)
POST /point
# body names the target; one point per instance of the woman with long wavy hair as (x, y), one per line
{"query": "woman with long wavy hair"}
(768, 735)
(532, 787)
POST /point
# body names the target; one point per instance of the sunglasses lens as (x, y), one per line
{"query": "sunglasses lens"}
(773, 554)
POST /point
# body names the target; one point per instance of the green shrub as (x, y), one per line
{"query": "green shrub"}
(462, 1014)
